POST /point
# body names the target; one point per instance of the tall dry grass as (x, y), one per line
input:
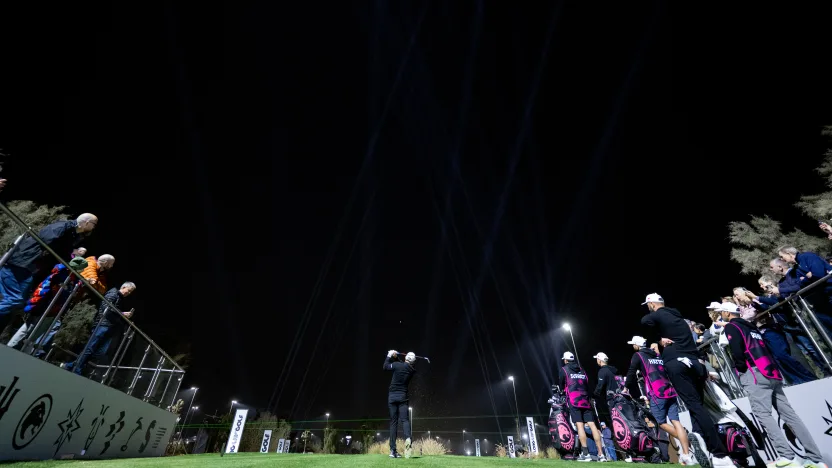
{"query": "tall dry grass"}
(424, 447)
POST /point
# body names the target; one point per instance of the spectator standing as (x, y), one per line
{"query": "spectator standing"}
(609, 445)
(30, 259)
(688, 375)
(107, 325)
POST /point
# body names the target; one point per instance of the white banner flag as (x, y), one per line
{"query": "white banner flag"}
(286, 446)
(267, 437)
(477, 446)
(532, 435)
(237, 425)
(280, 445)
(511, 446)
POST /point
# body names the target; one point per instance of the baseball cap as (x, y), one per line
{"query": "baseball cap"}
(568, 356)
(638, 341)
(714, 306)
(602, 357)
(653, 298)
(729, 307)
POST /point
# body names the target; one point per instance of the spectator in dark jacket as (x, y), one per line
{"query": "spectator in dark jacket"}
(107, 326)
(29, 260)
(811, 267)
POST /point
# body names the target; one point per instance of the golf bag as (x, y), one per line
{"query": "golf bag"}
(631, 430)
(564, 437)
(738, 433)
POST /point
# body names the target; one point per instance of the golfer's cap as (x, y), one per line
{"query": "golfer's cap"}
(568, 356)
(729, 307)
(603, 424)
(638, 341)
(714, 306)
(653, 298)
(602, 357)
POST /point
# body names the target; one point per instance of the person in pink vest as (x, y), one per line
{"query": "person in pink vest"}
(660, 394)
(761, 378)
(574, 381)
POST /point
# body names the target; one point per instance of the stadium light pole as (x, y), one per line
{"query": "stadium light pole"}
(569, 329)
(410, 409)
(233, 402)
(516, 408)
(463, 440)
(327, 420)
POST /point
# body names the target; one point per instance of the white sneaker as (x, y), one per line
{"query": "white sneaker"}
(602, 459)
(782, 462)
(721, 462)
(584, 458)
(687, 460)
(811, 464)
(628, 460)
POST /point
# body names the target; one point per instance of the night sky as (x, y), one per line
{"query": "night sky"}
(296, 190)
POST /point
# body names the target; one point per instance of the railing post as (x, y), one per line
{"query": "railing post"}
(820, 328)
(167, 384)
(809, 334)
(139, 371)
(8, 254)
(116, 355)
(178, 384)
(130, 336)
(39, 345)
(152, 385)
(27, 340)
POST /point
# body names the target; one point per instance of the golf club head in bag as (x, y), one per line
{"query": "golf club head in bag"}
(564, 438)
(631, 430)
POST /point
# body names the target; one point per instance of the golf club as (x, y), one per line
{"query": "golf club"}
(417, 357)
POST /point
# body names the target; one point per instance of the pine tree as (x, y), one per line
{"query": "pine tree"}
(756, 242)
(76, 326)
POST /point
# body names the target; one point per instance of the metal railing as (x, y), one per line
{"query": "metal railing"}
(137, 365)
(795, 306)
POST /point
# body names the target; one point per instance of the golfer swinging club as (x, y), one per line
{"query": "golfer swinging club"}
(397, 399)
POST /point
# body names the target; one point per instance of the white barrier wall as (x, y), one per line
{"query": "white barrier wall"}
(811, 401)
(47, 412)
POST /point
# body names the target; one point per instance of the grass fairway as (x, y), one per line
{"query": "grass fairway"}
(257, 460)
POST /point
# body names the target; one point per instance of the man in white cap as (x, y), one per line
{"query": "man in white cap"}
(660, 394)
(574, 381)
(763, 381)
(606, 377)
(687, 373)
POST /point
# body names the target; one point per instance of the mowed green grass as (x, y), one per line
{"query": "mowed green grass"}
(257, 460)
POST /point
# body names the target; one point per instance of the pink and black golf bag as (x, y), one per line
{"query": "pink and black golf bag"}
(564, 437)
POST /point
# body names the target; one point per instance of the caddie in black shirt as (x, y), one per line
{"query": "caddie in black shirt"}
(688, 375)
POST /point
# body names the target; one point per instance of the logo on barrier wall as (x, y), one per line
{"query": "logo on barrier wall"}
(32, 422)
(791, 437)
(68, 426)
(828, 421)
(7, 395)
(147, 436)
(113, 432)
(96, 424)
(135, 430)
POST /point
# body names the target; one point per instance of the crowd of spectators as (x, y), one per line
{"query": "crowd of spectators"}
(36, 289)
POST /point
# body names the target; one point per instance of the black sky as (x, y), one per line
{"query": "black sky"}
(463, 186)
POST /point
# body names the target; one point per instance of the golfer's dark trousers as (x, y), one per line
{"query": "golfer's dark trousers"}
(689, 383)
(398, 404)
